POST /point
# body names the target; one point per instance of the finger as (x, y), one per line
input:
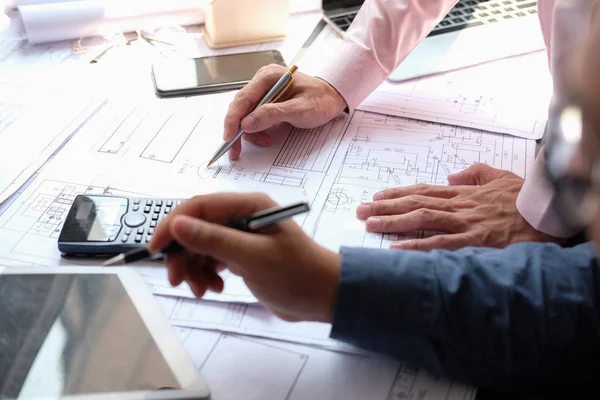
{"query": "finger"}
(219, 208)
(447, 242)
(176, 267)
(235, 150)
(203, 271)
(272, 114)
(248, 97)
(444, 192)
(418, 220)
(402, 205)
(258, 138)
(477, 174)
(229, 245)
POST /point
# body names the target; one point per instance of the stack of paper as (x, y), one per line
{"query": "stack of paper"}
(123, 140)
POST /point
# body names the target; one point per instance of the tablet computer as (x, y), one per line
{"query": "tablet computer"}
(93, 333)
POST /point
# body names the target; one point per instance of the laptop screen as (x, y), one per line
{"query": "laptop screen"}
(329, 5)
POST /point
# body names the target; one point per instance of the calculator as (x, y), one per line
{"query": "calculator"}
(105, 225)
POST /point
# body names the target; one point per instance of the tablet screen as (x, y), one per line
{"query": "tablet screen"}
(73, 334)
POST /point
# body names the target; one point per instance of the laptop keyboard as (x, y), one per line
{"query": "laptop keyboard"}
(466, 14)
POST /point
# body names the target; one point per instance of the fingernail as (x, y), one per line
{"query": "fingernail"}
(263, 142)
(373, 223)
(401, 245)
(248, 124)
(185, 226)
(364, 210)
(378, 196)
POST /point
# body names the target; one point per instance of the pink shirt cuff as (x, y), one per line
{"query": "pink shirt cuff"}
(537, 202)
(354, 74)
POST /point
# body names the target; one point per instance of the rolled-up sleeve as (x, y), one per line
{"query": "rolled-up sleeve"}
(520, 318)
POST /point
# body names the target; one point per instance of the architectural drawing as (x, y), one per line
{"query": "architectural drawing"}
(457, 98)
(307, 372)
(379, 152)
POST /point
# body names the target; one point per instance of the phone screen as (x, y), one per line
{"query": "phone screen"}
(184, 74)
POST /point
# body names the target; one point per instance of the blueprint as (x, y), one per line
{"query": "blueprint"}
(39, 111)
(289, 371)
(379, 152)
(145, 147)
(505, 96)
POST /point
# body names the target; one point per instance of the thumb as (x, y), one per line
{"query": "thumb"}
(267, 116)
(220, 242)
(476, 174)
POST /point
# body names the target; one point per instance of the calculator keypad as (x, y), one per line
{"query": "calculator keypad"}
(143, 217)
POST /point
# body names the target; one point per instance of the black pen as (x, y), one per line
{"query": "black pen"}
(252, 223)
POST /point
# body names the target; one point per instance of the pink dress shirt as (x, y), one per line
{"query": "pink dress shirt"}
(385, 31)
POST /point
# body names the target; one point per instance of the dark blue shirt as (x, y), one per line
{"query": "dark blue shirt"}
(520, 319)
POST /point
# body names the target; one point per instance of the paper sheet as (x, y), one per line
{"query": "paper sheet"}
(160, 148)
(294, 372)
(38, 112)
(506, 96)
(141, 146)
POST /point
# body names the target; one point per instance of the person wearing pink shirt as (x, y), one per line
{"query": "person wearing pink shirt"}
(483, 206)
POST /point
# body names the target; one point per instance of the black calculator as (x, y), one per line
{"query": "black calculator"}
(102, 225)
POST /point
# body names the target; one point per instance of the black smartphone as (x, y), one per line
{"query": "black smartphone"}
(185, 76)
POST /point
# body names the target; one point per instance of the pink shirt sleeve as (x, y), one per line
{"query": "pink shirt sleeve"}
(383, 33)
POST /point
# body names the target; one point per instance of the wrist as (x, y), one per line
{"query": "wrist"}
(341, 103)
(330, 265)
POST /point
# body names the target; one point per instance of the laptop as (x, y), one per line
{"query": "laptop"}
(473, 32)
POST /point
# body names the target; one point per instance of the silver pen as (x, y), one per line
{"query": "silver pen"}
(271, 97)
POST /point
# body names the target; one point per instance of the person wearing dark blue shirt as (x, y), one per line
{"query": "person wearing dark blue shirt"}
(523, 319)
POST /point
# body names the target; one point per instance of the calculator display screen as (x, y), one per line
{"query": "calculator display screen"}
(94, 219)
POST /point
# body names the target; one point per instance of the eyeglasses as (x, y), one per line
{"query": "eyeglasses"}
(163, 41)
(573, 168)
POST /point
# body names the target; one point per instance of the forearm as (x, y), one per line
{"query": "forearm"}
(521, 318)
(383, 33)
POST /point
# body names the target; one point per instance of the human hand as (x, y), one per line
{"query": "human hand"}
(478, 209)
(287, 272)
(308, 103)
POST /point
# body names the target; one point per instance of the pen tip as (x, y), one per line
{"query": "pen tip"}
(114, 261)
(211, 162)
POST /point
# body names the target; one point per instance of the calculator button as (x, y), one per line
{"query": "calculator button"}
(140, 231)
(156, 210)
(147, 209)
(128, 231)
(153, 224)
(150, 231)
(134, 220)
(167, 210)
(159, 202)
(155, 217)
(136, 207)
(148, 239)
(125, 238)
(136, 201)
(138, 238)
(169, 203)
(148, 202)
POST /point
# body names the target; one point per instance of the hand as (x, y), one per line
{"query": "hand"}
(479, 209)
(308, 103)
(287, 272)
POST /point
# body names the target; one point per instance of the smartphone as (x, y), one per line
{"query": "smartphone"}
(185, 76)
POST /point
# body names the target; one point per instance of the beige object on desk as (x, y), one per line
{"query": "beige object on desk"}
(241, 22)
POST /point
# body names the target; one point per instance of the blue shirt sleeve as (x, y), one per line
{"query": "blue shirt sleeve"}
(516, 319)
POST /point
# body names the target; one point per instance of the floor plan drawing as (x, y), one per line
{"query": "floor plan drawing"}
(475, 97)
(379, 152)
(307, 372)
